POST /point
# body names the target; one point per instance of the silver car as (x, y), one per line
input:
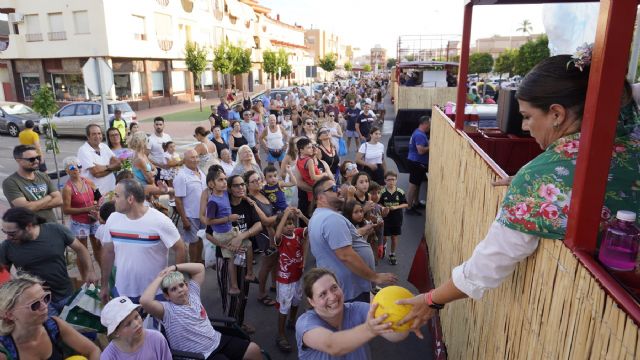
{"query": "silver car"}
(13, 115)
(72, 119)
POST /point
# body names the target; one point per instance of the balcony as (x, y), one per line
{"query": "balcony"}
(165, 45)
(57, 35)
(33, 37)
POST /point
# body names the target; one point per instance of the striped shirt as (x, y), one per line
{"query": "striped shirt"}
(188, 327)
(141, 248)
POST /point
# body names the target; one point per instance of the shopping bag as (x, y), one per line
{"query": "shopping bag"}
(84, 309)
(342, 147)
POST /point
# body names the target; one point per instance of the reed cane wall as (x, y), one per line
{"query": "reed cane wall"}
(424, 98)
(550, 308)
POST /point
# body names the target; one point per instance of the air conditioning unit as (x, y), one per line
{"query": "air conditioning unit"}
(16, 18)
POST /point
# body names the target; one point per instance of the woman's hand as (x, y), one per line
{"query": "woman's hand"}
(419, 314)
(368, 206)
(376, 325)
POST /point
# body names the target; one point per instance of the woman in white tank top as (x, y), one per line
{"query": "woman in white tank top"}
(274, 140)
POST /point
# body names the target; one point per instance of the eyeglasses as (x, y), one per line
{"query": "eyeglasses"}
(32, 159)
(37, 305)
(240, 185)
(75, 167)
(10, 233)
(332, 116)
(308, 123)
(256, 181)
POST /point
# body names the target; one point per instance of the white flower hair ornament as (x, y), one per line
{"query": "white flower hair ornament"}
(582, 57)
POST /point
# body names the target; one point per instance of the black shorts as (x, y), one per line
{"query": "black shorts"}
(391, 230)
(417, 173)
(230, 347)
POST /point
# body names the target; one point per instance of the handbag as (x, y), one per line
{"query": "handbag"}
(342, 147)
(84, 309)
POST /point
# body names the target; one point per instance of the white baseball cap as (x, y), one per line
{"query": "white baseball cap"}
(367, 101)
(115, 311)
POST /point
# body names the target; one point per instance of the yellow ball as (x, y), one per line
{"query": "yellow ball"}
(76, 357)
(386, 299)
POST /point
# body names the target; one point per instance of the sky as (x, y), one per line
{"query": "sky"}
(364, 23)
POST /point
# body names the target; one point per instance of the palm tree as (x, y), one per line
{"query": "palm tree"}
(525, 27)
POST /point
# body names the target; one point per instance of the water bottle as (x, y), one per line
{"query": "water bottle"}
(619, 247)
(82, 235)
(240, 259)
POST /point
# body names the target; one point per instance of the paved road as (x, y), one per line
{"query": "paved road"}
(263, 318)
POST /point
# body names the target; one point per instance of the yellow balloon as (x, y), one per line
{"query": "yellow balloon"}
(76, 357)
(386, 299)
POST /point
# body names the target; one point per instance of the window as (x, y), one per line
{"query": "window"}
(67, 111)
(83, 110)
(128, 86)
(56, 27)
(33, 28)
(69, 87)
(157, 83)
(95, 110)
(178, 81)
(81, 22)
(30, 84)
(164, 30)
(139, 27)
(207, 79)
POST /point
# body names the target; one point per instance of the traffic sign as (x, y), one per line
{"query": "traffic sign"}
(98, 76)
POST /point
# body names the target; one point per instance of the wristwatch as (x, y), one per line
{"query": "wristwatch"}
(430, 303)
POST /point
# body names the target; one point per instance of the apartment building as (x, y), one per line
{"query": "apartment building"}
(378, 58)
(497, 44)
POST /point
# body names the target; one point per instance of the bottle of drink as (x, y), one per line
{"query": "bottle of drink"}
(619, 247)
(82, 235)
(240, 259)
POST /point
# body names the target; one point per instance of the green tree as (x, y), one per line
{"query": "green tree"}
(531, 53)
(240, 59)
(284, 68)
(525, 27)
(196, 59)
(505, 62)
(480, 63)
(221, 61)
(391, 62)
(44, 103)
(410, 57)
(276, 63)
(328, 62)
(366, 68)
(348, 66)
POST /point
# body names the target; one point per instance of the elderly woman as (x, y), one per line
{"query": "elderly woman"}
(27, 332)
(129, 340)
(78, 201)
(226, 161)
(333, 329)
(246, 161)
(551, 98)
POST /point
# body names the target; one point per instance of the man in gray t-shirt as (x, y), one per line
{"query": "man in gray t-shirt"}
(30, 188)
(332, 244)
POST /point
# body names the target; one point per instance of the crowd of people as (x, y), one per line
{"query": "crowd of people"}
(299, 207)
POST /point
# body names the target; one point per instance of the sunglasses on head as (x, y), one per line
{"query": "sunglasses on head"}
(37, 305)
(75, 167)
(32, 159)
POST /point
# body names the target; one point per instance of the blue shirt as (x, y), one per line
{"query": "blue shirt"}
(266, 101)
(354, 314)
(248, 130)
(233, 115)
(418, 138)
(329, 231)
(219, 207)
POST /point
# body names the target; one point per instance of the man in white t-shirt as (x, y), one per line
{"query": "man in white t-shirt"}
(137, 240)
(159, 137)
(98, 161)
(188, 185)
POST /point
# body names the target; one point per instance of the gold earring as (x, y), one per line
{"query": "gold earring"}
(555, 125)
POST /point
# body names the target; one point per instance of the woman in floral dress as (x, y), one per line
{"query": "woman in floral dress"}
(551, 99)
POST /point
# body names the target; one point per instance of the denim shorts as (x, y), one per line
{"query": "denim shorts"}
(89, 229)
(352, 134)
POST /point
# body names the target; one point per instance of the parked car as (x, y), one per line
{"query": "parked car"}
(72, 119)
(13, 115)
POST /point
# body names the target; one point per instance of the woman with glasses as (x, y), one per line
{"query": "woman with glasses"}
(236, 139)
(79, 200)
(264, 209)
(117, 145)
(328, 152)
(26, 330)
(309, 130)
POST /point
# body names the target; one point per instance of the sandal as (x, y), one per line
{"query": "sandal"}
(266, 301)
(283, 344)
